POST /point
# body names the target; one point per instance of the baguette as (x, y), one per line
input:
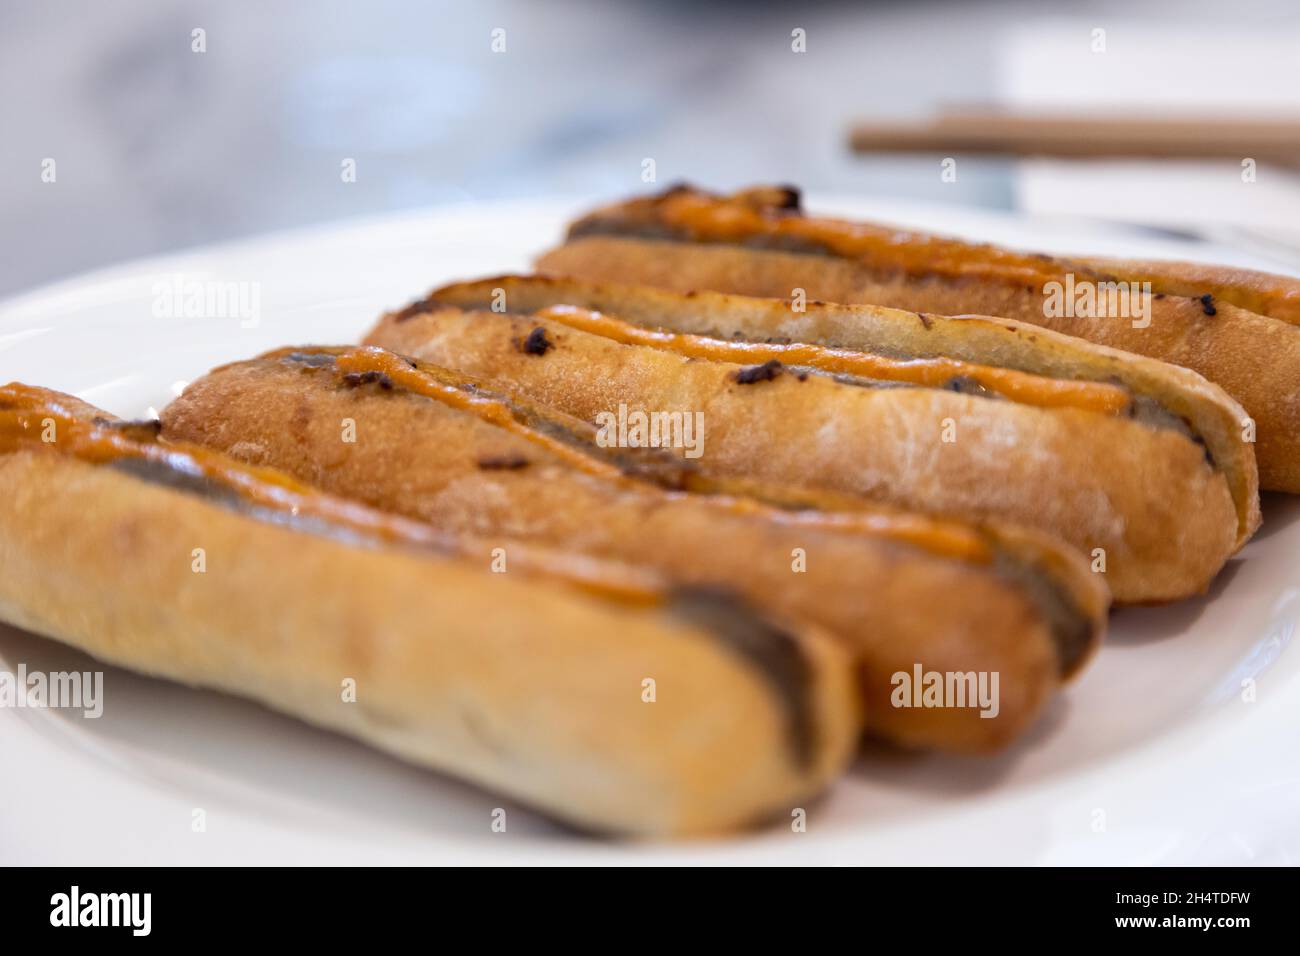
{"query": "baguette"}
(897, 590)
(1137, 466)
(529, 682)
(1238, 328)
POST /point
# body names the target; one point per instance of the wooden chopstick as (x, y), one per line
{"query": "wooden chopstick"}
(999, 132)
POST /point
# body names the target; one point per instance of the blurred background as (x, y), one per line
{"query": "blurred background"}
(160, 145)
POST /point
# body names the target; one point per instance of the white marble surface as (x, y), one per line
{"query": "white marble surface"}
(159, 148)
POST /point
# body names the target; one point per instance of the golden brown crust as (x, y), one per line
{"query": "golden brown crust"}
(894, 605)
(1254, 356)
(507, 680)
(1164, 516)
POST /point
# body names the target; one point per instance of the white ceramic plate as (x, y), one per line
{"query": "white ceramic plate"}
(1154, 756)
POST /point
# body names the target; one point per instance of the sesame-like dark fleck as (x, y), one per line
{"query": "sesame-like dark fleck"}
(1207, 304)
(964, 385)
(537, 343)
(759, 373)
(368, 377)
(503, 462)
(790, 198)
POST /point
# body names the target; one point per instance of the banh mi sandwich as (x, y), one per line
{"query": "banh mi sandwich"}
(1240, 329)
(592, 691)
(1138, 464)
(898, 590)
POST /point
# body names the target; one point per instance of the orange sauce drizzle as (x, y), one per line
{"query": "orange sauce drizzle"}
(26, 414)
(486, 407)
(918, 530)
(1022, 387)
(715, 219)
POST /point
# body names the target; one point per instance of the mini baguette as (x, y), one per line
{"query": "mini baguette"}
(999, 343)
(897, 590)
(529, 682)
(1238, 328)
(1164, 513)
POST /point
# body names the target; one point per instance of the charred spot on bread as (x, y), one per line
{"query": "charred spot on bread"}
(782, 199)
(168, 474)
(312, 359)
(140, 429)
(1071, 628)
(536, 343)
(503, 462)
(1150, 411)
(175, 473)
(785, 198)
(1205, 446)
(773, 652)
(926, 322)
(1207, 304)
(965, 385)
(791, 198)
(368, 377)
(752, 374)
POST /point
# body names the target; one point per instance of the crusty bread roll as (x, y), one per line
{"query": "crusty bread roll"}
(897, 590)
(1238, 328)
(184, 564)
(1140, 470)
